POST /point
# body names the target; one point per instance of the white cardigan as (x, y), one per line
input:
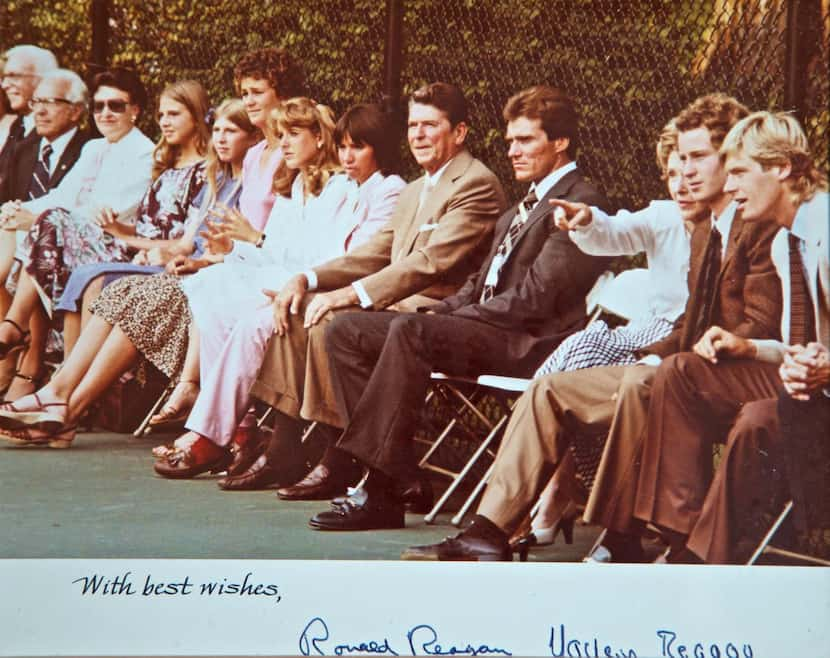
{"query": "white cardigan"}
(107, 175)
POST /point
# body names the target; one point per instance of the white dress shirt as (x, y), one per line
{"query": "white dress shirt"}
(58, 145)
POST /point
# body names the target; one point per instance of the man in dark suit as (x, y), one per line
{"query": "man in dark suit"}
(22, 71)
(743, 293)
(41, 160)
(528, 295)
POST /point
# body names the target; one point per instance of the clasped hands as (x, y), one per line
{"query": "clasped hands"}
(805, 370)
(287, 302)
(230, 225)
(14, 217)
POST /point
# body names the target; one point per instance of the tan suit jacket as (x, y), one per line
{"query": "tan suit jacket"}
(424, 255)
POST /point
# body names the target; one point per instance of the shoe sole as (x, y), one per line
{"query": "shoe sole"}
(40, 420)
(408, 557)
(323, 526)
(59, 444)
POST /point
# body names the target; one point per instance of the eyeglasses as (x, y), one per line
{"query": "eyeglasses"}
(48, 102)
(114, 106)
(15, 78)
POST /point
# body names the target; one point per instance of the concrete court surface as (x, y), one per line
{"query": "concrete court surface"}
(100, 498)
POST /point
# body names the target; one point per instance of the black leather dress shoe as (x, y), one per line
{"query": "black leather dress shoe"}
(462, 547)
(416, 495)
(361, 511)
(319, 484)
(260, 475)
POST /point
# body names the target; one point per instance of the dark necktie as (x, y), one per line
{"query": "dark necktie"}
(17, 131)
(802, 316)
(506, 246)
(710, 271)
(39, 184)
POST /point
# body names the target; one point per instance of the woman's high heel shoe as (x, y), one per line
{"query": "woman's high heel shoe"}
(15, 346)
(547, 536)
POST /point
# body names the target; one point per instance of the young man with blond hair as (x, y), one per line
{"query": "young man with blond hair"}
(770, 396)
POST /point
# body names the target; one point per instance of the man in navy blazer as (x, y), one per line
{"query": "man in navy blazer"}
(528, 295)
(58, 105)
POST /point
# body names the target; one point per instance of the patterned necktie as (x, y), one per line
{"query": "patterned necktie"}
(802, 317)
(709, 274)
(39, 184)
(506, 246)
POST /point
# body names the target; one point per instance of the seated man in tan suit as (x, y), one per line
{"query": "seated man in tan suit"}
(438, 235)
(728, 390)
(741, 293)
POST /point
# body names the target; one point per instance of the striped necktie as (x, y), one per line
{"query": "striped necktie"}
(39, 184)
(802, 316)
(506, 246)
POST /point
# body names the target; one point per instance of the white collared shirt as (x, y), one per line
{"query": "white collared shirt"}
(724, 225)
(544, 186)
(58, 147)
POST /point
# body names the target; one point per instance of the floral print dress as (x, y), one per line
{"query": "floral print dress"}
(61, 240)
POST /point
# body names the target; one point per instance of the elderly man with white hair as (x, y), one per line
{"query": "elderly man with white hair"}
(24, 67)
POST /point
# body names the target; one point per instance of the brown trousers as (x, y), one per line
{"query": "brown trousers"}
(541, 425)
(295, 376)
(694, 404)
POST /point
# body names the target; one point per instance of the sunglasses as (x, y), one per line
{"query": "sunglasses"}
(114, 106)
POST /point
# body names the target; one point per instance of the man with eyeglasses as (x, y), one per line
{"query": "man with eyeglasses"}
(25, 66)
(41, 160)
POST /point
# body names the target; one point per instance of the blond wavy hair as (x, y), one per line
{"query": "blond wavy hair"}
(666, 145)
(777, 139)
(302, 112)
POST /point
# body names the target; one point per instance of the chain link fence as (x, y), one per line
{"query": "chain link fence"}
(630, 65)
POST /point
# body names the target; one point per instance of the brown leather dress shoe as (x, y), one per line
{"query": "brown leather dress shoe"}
(261, 475)
(319, 484)
(462, 547)
(248, 452)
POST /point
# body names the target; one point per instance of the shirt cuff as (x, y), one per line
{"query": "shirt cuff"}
(650, 360)
(365, 300)
(311, 277)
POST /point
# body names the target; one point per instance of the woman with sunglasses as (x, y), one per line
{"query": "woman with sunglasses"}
(62, 240)
(113, 171)
(313, 212)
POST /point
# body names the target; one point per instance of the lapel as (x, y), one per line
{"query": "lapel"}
(27, 157)
(542, 209)
(731, 244)
(436, 198)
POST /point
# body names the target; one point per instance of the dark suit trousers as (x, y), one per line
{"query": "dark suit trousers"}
(695, 404)
(381, 364)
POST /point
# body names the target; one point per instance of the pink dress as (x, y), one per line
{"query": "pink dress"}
(257, 195)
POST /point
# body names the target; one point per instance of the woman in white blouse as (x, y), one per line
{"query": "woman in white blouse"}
(113, 171)
(311, 221)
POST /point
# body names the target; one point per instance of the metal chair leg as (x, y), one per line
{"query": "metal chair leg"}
(459, 517)
(144, 428)
(768, 537)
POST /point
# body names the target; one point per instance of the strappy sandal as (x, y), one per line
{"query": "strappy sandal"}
(22, 342)
(171, 414)
(37, 382)
(46, 416)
